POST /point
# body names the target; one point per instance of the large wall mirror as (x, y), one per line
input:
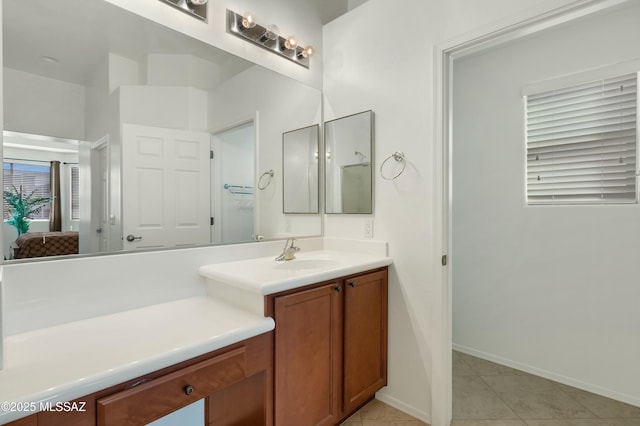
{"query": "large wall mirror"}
(154, 134)
(301, 167)
(349, 162)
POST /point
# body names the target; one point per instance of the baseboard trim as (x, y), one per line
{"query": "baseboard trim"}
(565, 380)
(412, 411)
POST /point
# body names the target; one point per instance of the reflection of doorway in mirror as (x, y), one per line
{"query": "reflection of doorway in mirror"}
(166, 193)
(103, 230)
(26, 163)
(233, 177)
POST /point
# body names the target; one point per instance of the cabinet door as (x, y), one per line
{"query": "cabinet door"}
(308, 362)
(365, 338)
(32, 420)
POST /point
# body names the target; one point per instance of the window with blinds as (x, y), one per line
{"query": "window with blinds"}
(32, 178)
(581, 143)
(75, 193)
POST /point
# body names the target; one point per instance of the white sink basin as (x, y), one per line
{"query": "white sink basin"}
(306, 264)
(265, 275)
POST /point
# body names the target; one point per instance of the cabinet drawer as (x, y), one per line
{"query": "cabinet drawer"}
(159, 397)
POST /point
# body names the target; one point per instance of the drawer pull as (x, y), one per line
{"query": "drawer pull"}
(338, 289)
(150, 401)
(352, 284)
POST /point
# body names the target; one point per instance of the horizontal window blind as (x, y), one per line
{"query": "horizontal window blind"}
(581, 143)
(75, 193)
(32, 178)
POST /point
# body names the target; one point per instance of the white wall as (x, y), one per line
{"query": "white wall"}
(393, 75)
(102, 121)
(182, 70)
(552, 289)
(364, 71)
(43, 106)
(291, 16)
(280, 105)
(235, 151)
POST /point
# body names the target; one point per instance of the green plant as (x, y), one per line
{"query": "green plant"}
(22, 207)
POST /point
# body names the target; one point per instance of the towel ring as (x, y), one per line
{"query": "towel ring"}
(269, 175)
(399, 157)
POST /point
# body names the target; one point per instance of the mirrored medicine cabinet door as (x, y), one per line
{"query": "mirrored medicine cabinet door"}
(349, 164)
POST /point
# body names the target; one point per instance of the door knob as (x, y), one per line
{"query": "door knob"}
(131, 238)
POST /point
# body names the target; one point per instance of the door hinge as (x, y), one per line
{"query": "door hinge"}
(211, 154)
(444, 260)
(212, 221)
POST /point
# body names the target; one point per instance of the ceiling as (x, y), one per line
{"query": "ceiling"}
(79, 34)
(332, 9)
(34, 30)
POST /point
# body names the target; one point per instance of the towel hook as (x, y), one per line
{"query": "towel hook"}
(399, 157)
(269, 175)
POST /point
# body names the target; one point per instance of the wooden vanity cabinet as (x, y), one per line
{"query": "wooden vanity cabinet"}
(32, 420)
(236, 383)
(330, 348)
(365, 338)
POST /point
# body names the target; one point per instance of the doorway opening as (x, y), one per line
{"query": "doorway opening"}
(232, 182)
(446, 57)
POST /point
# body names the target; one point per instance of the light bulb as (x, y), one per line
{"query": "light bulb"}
(272, 32)
(248, 20)
(291, 43)
(199, 2)
(308, 52)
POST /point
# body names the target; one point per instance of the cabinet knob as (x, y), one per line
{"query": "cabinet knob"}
(188, 390)
(352, 284)
(338, 288)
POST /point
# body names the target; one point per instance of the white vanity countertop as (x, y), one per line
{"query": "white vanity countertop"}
(266, 276)
(68, 361)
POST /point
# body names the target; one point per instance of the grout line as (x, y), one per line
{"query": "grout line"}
(501, 399)
(557, 385)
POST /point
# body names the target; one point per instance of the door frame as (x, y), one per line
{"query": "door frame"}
(102, 149)
(215, 176)
(543, 16)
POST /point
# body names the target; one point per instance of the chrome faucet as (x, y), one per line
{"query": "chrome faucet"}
(289, 251)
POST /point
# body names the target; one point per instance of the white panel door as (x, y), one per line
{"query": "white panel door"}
(165, 187)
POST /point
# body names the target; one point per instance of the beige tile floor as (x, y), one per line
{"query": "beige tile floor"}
(488, 394)
(378, 413)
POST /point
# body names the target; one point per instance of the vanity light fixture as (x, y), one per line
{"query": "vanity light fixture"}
(270, 33)
(291, 43)
(195, 8)
(248, 20)
(307, 52)
(268, 37)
